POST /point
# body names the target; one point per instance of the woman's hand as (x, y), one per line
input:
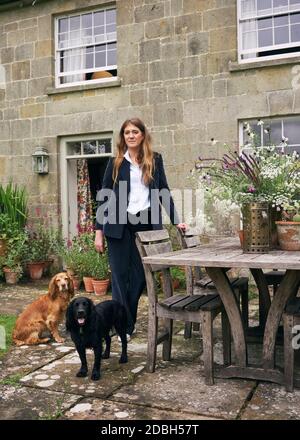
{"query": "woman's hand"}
(182, 226)
(99, 241)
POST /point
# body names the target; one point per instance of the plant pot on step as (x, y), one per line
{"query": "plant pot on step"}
(100, 286)
(88, 284)
(288, 235)
(11, 277)
(35, 270)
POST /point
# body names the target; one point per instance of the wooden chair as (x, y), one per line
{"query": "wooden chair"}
(187, 308)
(291, 317)
(197, 278)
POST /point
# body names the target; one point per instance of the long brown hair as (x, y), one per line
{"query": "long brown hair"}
(145, 155)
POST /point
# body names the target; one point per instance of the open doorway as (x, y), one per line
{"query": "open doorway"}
(83, 164)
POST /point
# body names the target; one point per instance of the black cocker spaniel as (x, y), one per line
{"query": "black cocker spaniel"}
(89, 324)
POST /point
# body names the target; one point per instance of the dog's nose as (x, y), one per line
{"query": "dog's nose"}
(80, 313)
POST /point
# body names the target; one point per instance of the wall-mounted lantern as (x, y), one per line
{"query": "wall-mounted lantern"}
(40, 161)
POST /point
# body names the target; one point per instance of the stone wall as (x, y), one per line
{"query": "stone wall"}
(173, 65)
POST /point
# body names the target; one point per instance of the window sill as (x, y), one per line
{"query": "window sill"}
(237, 67)
(79, 88)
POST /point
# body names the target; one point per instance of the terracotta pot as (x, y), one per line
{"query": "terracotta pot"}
(100, 286)
(36, 270)
(3, 247)
(88, 284)
(288, 235)
(76, 281)
(11, 277)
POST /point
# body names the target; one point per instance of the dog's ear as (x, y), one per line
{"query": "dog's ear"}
(53, 288)
(71, 287)
(69, 317)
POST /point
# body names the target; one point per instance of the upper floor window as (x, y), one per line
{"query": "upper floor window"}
(284, 133)
(268, 29)
(86, 47)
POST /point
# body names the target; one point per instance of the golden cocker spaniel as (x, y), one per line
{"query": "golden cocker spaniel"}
(45, 313)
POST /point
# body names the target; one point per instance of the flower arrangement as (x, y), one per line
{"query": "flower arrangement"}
(262, 174)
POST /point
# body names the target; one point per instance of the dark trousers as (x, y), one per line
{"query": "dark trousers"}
(128, 277)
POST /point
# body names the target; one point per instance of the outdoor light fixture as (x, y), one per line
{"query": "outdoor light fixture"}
(40, 161)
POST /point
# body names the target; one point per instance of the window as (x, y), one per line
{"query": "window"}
(268, 29)
(89, 147)
(282, 132)
(86, 47)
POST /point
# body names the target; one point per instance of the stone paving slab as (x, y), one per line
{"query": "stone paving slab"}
(181, 387)
(60, 375)
(96, 409)
(22, 360)
(22, 403)
(272, 402)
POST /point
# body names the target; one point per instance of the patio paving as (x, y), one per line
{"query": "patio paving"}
(39, 382)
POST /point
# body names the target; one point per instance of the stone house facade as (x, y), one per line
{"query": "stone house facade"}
(193, 70)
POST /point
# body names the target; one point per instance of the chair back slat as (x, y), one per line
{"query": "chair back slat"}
(149, 236)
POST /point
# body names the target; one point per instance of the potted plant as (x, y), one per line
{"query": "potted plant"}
(100, 273)
(87, 268)
(12, 262)
(288, 228)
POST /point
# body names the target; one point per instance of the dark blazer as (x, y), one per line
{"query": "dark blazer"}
(115, 229)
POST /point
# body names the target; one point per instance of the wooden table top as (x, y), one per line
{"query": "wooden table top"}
(227, 253)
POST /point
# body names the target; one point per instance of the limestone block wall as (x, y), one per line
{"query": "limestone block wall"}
(174, 68)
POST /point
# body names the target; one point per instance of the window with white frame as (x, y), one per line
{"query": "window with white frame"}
(281, 132)
(268, 29)
(86, 46)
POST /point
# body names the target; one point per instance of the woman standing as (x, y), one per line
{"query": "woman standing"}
(134, 185)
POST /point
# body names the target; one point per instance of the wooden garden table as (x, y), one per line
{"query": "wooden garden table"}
(227, 253)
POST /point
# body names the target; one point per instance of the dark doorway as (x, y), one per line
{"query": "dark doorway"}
(96, 168)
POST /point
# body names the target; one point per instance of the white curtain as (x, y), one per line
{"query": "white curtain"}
(75, 60)
(248, 28)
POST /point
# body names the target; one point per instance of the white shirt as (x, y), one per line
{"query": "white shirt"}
(139, 193)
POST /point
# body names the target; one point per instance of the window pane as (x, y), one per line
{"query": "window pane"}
(295, 33)
(291, 129)
(281, 35)
(249, 40)
(100, 47)
(86, 20)
(295, 18)
(89, 147)
(89, 61)
(75, 23)
(273, 133)
(104, 146)
(100, 59)
(99, 18)
(99, 30)
(281, 20)
(111, 16)
(257, 130)
(280, 5)
(111, 46)
(110, 28)
(248, 7)
(263, 6)
(63, 25)
(265, 38)
(264, 23)
(294, 4)
(111, 57)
